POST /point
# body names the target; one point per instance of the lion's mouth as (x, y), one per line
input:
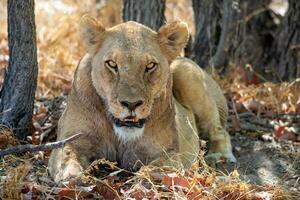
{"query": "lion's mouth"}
(129, 122)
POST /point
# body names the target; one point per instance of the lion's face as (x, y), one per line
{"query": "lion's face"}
(130, 69)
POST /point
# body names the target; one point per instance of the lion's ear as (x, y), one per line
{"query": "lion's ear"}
(172, 38)
(91, 31)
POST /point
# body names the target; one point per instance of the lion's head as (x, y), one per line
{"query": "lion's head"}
(130, 68)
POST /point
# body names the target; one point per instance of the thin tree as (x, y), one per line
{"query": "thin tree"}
(149, 13)
(208, 27)
(244, 32)
(285, 64)
(18, 92)
(228, 31)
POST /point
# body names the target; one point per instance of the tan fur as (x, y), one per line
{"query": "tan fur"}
(201, 95)
(170, 135)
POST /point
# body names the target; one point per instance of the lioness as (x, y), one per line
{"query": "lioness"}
(122, 102)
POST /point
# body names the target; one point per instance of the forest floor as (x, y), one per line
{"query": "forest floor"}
(266, 161)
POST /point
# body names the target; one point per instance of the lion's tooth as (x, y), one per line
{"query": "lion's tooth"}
(128, 120)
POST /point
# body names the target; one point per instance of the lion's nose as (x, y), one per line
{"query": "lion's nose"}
(131, 105)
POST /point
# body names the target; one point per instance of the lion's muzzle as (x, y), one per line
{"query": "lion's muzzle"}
(129, 122)
(129, 128)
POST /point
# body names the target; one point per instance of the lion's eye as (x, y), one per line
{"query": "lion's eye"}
(111, 65)
(151, 67)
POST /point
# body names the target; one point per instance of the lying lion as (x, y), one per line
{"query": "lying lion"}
(136, 105)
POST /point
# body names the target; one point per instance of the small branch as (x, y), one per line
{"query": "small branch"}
(254, 13)
(234, 109)
(41, 147)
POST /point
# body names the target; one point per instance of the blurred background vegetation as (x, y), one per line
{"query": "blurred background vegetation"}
(248, 41)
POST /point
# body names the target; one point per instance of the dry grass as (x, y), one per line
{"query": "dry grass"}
(104, 180)
(14, 182)
(7, 138)
(265, 96)
(26, 177)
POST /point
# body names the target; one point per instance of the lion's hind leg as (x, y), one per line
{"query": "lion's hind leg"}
(196, 91)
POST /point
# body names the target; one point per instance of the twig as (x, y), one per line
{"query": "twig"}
(246, 115)
(234, 109)
(47, 131)
(262, 123)
(41, 147)
(253, 14)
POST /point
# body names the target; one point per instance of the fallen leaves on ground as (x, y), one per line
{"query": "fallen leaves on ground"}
(23, 182)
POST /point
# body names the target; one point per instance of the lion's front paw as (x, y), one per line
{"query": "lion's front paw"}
(212, 159)
(220, 148)
(70, 171)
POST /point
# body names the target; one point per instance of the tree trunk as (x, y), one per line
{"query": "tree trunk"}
(149, 13)
(286, 50)
(207, 14)
(18, 92)
(252, 37)
(229, 31)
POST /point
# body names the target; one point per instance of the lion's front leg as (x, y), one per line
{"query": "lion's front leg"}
(64, 164)
(219, 139)
(220, 146)
(70, 161)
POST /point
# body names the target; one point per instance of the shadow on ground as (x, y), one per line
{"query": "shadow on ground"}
(268, 162)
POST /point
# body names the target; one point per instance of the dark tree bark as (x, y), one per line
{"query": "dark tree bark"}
(237, 31)
(285, 65)
(149, 13)
(17, 95)
(254, 36)
(207, 14)
(225, 27)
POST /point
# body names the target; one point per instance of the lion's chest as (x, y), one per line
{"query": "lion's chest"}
(135, 154)
(132, 155)
(188, 135)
